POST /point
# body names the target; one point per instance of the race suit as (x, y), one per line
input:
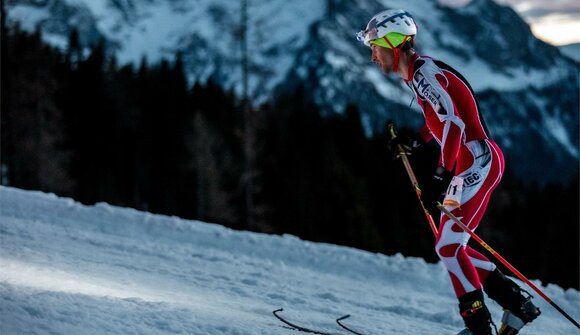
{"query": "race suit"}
(453, 119)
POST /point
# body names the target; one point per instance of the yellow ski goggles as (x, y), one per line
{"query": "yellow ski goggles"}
(394, 40)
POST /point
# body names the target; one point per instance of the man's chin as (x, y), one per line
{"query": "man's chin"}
(384, 69)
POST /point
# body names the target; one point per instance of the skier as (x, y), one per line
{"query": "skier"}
(453, 119)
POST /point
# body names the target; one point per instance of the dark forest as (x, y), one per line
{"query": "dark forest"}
(77, 124)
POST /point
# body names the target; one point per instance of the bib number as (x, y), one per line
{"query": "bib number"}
(453, 195)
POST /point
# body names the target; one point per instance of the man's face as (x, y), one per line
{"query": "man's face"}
(383, 57)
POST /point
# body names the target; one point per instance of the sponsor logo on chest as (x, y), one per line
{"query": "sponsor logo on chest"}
(426, 91)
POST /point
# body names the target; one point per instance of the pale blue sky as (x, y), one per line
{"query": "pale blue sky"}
(554, 21)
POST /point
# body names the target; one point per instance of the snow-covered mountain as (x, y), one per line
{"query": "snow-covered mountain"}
(571, 50)
(73, 269)
(528, 89)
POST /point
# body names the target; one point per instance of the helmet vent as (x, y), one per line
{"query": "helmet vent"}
(385, 22)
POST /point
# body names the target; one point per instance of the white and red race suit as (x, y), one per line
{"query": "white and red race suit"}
(453, 118)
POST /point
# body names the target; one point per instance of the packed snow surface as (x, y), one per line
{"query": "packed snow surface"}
(73, 269)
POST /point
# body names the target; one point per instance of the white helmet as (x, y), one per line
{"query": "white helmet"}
(388, 21)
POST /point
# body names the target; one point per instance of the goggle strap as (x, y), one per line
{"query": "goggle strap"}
(388, 42)
(396, 52)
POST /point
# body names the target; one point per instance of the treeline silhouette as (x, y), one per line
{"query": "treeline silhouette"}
(77, 124)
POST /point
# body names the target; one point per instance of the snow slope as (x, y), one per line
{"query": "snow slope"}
(73, 269)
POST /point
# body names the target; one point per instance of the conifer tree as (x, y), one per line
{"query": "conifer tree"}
(32, 130)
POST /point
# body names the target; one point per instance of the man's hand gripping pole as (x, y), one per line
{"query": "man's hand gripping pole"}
(403, 155)
(405, 160)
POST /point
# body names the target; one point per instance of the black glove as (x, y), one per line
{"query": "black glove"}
(434, 190)
(404, 144)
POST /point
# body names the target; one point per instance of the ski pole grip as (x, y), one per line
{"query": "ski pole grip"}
(391, 129)
(393, 134)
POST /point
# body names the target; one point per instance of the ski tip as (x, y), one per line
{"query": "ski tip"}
(343, 317)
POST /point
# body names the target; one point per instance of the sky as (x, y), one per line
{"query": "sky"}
(88, 270)
(554, 21)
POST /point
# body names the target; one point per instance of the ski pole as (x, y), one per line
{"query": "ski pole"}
(505, 262)
(391, 128)
(407, 164)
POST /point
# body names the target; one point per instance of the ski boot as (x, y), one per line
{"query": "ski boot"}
(475, 314)
(518, 309)
(511, 324)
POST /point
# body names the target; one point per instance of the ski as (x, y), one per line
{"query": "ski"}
(345, 327)
(503, 330)
(297, 327)
(507, 330)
